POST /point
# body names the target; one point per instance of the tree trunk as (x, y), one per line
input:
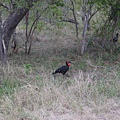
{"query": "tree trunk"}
(84, 36)
(1, 50)
(75, 19)
(7, 29)
(11, 22)
(3, 57)
(87, 15)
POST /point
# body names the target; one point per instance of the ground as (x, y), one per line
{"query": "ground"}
(30, 92)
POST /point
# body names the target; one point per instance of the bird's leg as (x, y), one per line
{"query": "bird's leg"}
(67, 75)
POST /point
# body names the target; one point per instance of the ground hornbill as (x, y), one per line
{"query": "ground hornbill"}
(115, 39)
(63, 69)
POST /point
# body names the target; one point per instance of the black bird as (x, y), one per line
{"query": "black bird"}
(115, 39)
(63, 69)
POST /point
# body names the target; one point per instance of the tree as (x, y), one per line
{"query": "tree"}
(19, 9)
(11, 22)
(59, 12)
(110, 22)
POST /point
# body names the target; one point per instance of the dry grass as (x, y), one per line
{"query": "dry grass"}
(89, 93)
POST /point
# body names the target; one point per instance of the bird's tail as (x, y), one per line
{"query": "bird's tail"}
(53, 73)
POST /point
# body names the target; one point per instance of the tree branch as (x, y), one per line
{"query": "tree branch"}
(75, 19)
(69, 20)
(5, 6)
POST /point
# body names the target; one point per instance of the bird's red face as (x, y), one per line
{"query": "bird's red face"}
(68, 63)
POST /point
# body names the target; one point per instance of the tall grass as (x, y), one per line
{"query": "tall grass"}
(29, 91)
(41, 94)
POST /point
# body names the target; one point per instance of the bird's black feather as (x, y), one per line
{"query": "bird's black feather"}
(62, 69)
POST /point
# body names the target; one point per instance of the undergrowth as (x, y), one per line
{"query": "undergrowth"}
(28, 90)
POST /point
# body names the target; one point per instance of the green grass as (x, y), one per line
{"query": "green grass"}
(8, 85)
(30, 91)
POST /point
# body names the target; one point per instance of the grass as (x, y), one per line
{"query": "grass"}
(29, 91)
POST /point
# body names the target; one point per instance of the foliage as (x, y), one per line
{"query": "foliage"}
(8, 86)
(112, 13)
(28, 68)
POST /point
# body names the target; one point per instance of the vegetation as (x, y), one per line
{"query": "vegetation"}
(36, 37)
(30, 91)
